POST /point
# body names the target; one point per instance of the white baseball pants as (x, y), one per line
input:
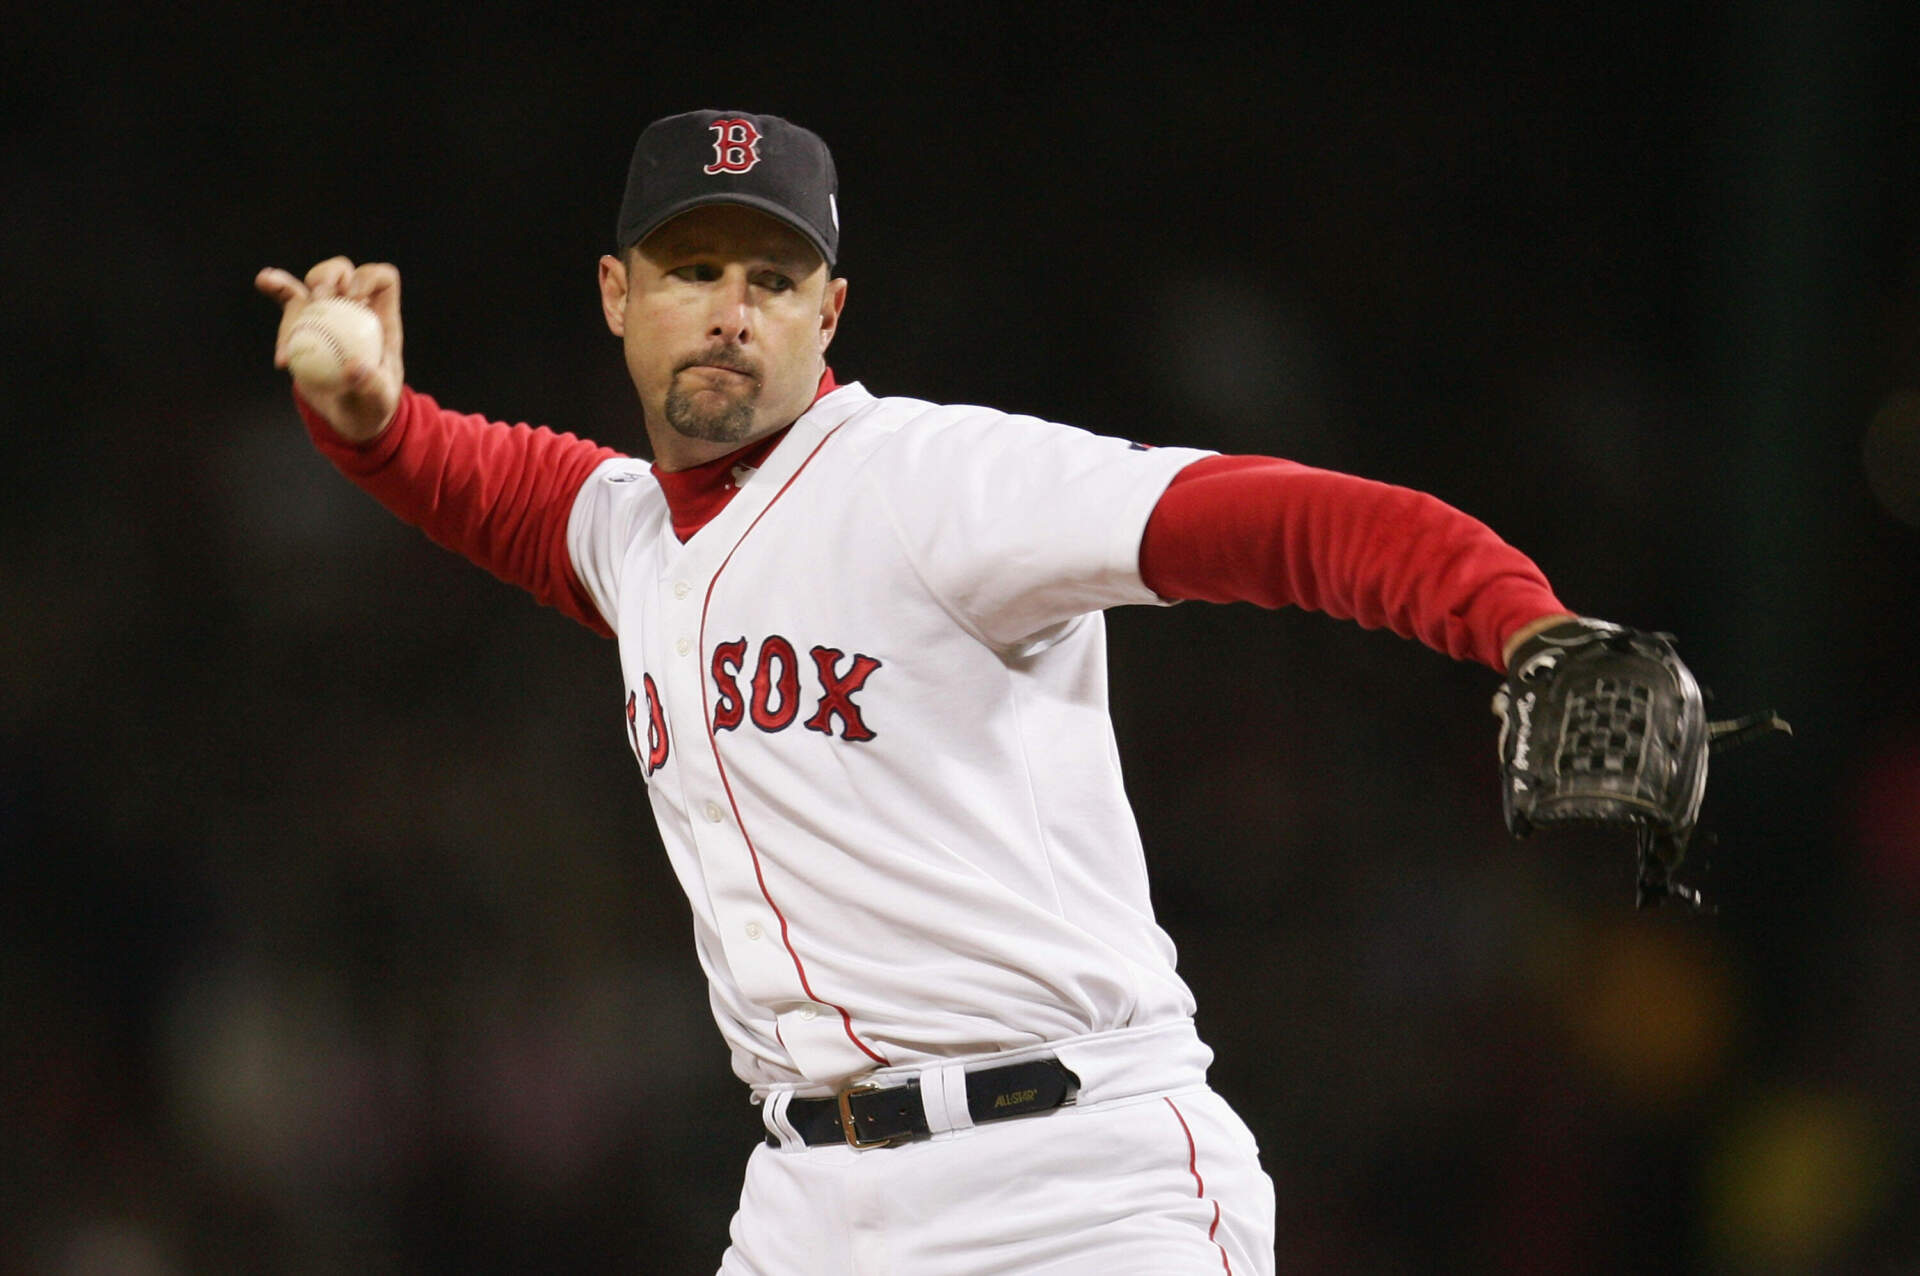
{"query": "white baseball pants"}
(1159, 1184)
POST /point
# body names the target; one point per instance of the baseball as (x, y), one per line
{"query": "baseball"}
(330, 334)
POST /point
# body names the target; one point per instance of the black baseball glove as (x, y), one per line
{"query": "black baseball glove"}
(1605, 725)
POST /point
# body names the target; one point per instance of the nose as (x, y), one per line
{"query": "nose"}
(732, 318)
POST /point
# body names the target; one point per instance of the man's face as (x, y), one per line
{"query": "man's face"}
(725, 314)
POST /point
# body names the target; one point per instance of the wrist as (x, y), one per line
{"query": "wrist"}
(1529, 630)
(330, 422)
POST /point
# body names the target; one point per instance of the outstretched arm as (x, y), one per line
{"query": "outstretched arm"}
(498, 494)
(1276, 533)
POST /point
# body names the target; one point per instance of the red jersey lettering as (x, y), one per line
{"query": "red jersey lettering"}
(837, 694)
(728, 706)
(766, 715)
(655, 755)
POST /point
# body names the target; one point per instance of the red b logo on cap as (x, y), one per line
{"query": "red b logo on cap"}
(736, 146)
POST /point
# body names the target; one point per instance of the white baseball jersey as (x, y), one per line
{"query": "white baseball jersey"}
(869, 700)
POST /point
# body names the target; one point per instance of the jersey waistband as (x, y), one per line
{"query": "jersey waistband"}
(1111, 1065)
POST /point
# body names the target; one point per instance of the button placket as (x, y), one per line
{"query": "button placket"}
(760, 969)
(760, 963)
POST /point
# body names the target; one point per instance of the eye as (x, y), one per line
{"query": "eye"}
(699, 272)
(774, 281)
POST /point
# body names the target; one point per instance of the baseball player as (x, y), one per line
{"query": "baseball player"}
(863, 675)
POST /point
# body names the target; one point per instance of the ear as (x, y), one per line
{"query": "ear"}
(831, 303)
(613, 294)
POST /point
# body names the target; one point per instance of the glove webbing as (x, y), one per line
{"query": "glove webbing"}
(1660, 852)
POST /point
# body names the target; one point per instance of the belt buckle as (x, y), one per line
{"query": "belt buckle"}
(846, 1120)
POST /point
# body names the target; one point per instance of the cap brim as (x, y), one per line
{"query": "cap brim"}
(755, 202)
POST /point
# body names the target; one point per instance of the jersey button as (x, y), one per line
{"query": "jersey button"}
(683, 646)
(753, 930)
(809, 1012)
(713, 812)
(681, 589)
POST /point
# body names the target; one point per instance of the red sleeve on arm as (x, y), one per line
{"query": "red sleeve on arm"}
(499, 494)
(1260, 530)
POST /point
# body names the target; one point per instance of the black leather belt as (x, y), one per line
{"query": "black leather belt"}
(866, 1116)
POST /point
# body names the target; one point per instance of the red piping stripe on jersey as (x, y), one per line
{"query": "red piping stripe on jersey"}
(713, 741)
(1200, 1187)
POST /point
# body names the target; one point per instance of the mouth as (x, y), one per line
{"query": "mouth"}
(722, 369)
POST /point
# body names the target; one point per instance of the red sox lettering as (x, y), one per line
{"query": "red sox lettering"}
(836, 698)
(772, 696)
(656, 755)
(772, 699)
(776, 695)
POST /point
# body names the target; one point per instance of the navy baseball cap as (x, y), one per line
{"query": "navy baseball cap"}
(731, 157)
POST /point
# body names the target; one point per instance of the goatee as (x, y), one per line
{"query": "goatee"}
(707, 413)
(728, 421)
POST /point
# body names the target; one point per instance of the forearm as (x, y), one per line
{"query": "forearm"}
(1275, 533)
(499, 495)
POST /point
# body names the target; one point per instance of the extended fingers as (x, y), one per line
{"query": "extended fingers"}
(330, 278)
(373, 280)
(279, 285)
(377, 283)
(292, 296)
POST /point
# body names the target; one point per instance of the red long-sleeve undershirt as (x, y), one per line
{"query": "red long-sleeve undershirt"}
(1228, 528)
(1259, 530)
(498, 494)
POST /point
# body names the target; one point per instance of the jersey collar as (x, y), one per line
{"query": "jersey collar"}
(695, 495)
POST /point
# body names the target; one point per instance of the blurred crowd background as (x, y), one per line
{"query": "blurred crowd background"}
(334, 933)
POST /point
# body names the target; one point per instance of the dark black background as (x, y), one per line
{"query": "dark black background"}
(336, 934)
